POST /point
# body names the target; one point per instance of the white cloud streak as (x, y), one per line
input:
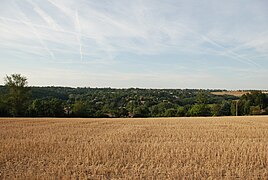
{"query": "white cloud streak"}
(131, 30)
(79, 34)
(35, 31)
(115, 31)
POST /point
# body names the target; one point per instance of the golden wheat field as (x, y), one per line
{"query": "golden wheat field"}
(231, 93)
(155, 148)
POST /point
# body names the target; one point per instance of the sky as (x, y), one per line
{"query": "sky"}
(211, 44)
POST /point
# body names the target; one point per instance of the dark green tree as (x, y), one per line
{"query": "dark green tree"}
(202, 97)
(56, 107)
(199, 110)
(170, 112)
(123, 112)
(141, 111)
(246, 107)
(225, 108)
(19, 94)
(36, 108)
(3, 106)
(80, 109)
(180, 111)
(47, 107)
(216, 110)
(232, 108)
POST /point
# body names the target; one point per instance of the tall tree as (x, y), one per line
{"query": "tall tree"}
(3, 106)
(202, 97)
(80, 109)
(19, 93)
(199, 110)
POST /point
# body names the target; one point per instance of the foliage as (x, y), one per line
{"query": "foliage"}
(3, 106)
(49, 107)
(199, 110)
(18, 94)
(108, 102)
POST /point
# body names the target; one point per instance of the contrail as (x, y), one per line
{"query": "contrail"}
(79, 34)
(35, 25)
(30, 24)
(46, 17)
(228, 53)
(69, 13)
(42, 42)
(34, 48)
(36, 34)
(249, 43)
(46, 27)
(76, 34)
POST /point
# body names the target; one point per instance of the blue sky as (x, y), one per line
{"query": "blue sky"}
(139, 43)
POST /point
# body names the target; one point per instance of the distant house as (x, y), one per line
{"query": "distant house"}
(67, 110)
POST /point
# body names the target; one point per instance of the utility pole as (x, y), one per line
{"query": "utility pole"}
(236, 107)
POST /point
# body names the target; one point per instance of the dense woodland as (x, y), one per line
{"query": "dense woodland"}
(17, 99)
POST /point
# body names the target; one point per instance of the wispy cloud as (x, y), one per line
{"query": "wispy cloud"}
(45, 16)
(113, 32)
(24, 17)
(126, 33)
(79, 34)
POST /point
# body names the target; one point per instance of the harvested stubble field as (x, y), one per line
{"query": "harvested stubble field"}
(159, 148)
(231, 93)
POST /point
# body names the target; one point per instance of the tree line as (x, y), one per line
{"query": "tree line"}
(18, 99)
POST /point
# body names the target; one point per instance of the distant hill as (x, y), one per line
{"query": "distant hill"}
(136, 102)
